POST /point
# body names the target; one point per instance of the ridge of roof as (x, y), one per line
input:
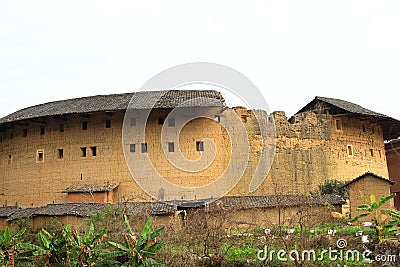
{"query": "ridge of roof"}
(373, 175)
(118, 102)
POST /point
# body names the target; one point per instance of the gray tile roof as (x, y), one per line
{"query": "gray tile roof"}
(370, 174)
(161, 208)
(392, 144)
(250, 202)
(118, 102)
(90, 188)
(87, 209)
(390, 126)
(8, 210)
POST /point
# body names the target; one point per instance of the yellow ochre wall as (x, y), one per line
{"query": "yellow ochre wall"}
(308, 151)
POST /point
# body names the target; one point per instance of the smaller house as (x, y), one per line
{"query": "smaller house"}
(392, 149)
(91, 193)
(368, 183)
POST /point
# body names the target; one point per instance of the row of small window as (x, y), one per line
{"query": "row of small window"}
(171, 121)
(339, 127)
(60, 153)
(350, 151)
(171, 147)
(62, 129)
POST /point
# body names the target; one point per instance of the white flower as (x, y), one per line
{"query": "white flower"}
(290, 231)
(366, 224)
(331, 232)
(364, 239)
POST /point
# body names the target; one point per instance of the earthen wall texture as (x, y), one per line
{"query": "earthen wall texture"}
(368, 185)
(309, 151)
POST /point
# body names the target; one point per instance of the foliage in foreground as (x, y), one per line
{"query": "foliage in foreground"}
(68, 247)
(140, 250)
(383, 229)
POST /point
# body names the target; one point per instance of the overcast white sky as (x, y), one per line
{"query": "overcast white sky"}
(292, 50)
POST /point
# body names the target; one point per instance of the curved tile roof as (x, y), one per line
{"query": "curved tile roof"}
(117, 102)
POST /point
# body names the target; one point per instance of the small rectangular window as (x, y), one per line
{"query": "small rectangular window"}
(171, 147)
(373, 130)
(161, 120)
(338, 124)
(25, 133)
(132, 148)
(350, 150)
(144, 147)
(62, 128)
(363, 128)
(133, 121)
(9, 159)
(60, 153)
(84, 126)
(171, 122)
(83, 151)
(108, 123)
(379, 153)
(11, 135)
(217, 118)
(372, 152)
(199, 146)
(93, 151)
(244, 118)
(42, 130)
(40, 156)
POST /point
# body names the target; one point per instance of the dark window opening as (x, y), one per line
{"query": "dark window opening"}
(144, 147)
(11, 135)
(133, 121)
(363, 128)
(217, 118)
(372, 152)
(349, 150)
(373, 130)
(132, 148)
(171, 147)
(60, 153)
(108, 123)
(93, 151)
(42, 130)
(84, 126)
(83, 151)
(40, 156)
(62, 128)
(161, 120)
(171, 122)
(9, 159)
(338, 125)
(244, 118)
(25, 133)
(199, 146)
